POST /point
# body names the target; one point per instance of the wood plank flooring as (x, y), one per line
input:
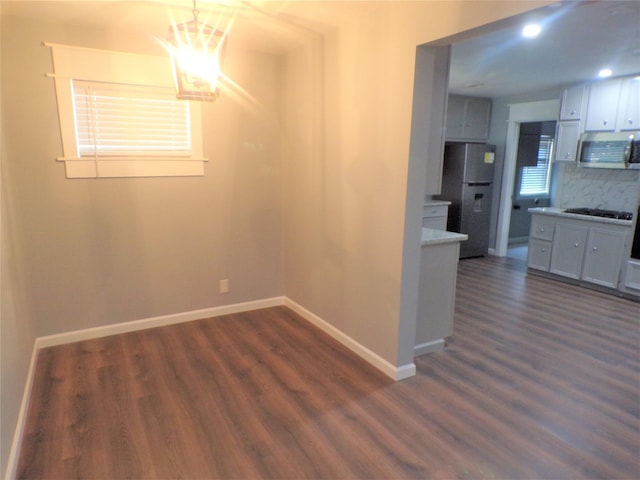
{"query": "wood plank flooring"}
(539, 381)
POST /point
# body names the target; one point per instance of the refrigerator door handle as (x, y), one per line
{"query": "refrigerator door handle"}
(479, 184)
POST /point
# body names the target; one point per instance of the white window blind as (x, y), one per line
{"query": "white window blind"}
(118, 120)
(536, 180)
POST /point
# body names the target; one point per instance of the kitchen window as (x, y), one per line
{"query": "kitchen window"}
(535, 180)
(119, 116)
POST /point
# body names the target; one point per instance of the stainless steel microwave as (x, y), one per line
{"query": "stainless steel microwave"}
(609, 149)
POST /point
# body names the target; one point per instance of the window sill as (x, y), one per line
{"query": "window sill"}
(127, 167)
(533, 196)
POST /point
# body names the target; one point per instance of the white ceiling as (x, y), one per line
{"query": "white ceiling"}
(578, 38)
(270, 26)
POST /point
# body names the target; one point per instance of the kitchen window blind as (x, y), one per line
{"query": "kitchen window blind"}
(535, 180)
(119, 120)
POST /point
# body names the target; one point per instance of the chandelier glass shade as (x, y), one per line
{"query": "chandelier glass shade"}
(197, 52)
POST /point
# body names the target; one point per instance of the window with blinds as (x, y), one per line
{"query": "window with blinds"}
(536, 180)
(119, 120)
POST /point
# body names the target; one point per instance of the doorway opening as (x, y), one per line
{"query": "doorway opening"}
(532, 182)
(519, 114)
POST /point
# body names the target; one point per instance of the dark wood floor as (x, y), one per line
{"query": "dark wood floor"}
(539, 381)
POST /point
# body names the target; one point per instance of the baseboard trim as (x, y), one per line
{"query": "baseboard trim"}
(513, 240)
(396, 373)
(12, 461)
(405, 371)
(134, 325)
(428, 347)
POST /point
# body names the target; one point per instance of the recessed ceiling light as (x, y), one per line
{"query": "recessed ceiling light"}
(605, 72)
(531, 30)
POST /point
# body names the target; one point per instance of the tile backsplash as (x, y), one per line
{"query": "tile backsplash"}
(596, 188)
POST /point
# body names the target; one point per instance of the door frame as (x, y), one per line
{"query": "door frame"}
(542, 111)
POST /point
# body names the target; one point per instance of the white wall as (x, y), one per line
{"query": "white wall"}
(112, 250)
(16, 321)
(349, 184)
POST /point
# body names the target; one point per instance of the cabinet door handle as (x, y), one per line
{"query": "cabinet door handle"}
(573, 112)
(541, 230)
(595, 248)
(543, 250)
(605, 122)
(630, 121)
(575, 244)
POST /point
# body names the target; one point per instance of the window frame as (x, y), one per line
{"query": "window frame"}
(94, 65)
(549, 164)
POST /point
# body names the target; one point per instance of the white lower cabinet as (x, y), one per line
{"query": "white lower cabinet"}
(584, 250)
(436, 302)
(603, 257)
(568, 250)
(542, 227)
(632, 277)
(435, 216)
(539, 254)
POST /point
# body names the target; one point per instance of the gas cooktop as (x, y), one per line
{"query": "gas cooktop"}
(596, 212)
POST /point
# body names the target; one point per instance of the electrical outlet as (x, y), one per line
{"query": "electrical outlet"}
(224, 286)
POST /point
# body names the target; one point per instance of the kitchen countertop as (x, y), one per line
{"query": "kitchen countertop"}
(435, 237)
(559, 212)
(436, 203)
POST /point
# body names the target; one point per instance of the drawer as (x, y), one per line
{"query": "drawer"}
(539, 254)
(435, 211)
(437, 223)
(542, 228)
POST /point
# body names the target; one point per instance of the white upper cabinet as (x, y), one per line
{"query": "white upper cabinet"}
(603, 106)
(602, 110)
(567, 137)
(570, 122)
(477, 118)
(572, 103)
(455, 116)
(468, 118)
(629, 109)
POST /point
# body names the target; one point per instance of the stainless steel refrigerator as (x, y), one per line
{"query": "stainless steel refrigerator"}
(467, 183)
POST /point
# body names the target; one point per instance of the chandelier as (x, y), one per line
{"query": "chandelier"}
(197, 52)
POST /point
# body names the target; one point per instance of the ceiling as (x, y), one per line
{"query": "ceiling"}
(269, 26)
(578, 38)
